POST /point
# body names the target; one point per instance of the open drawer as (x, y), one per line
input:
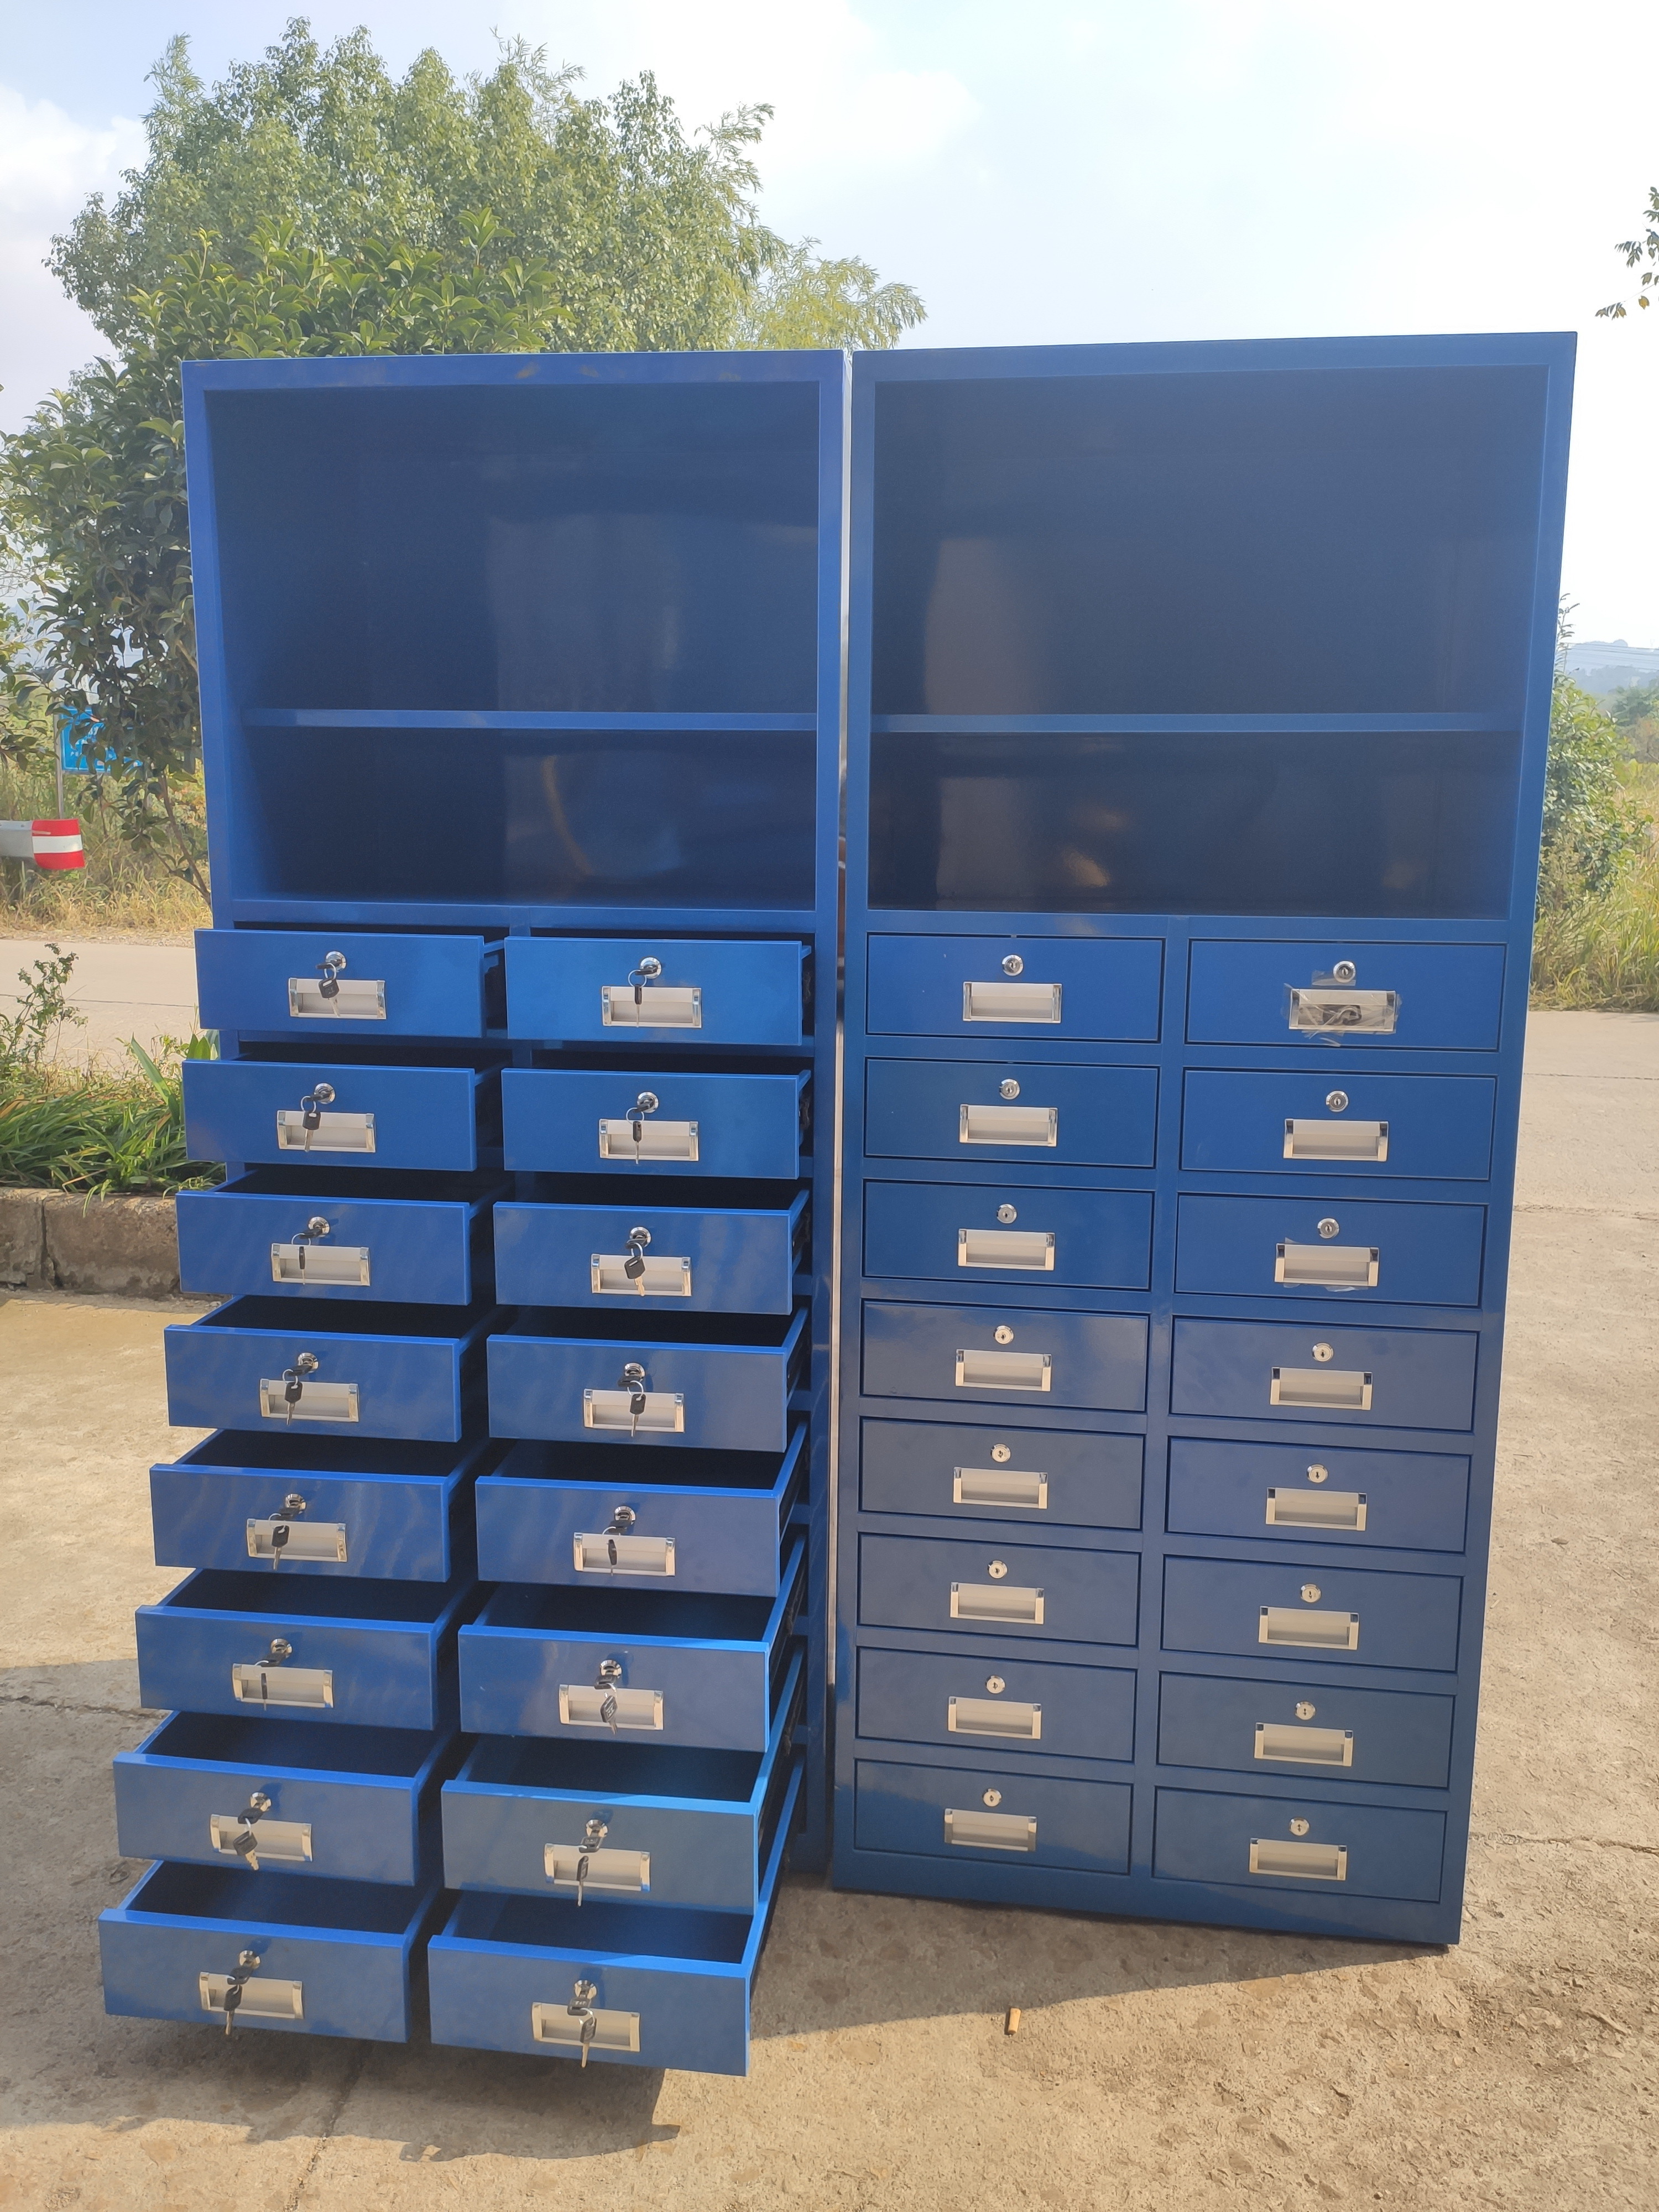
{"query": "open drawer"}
(672, 990)
(342, 1113)
(338, 1233)
(737, 1253)
(576, 1120)
(302, 982)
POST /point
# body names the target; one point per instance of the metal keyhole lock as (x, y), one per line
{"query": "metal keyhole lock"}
(1337, 1101)
(991, 1797)
(580, 2007)
(621, 1520)
(311, 1109)
(1324, 1353)
(647, 1103)
(593, 1836)
(1299, 1827)
(1319, 1473)
(1002, 1454)
(1343, 972)
(995, 1685)
(1327, 1228)
(314, 1231)
(1003, 1333)
(997, 1570)
(1007, 1213)
(1304, 1711)
(247, 1965)
(294, 1381)
(332, 968)
(245, 1843)
(634, 1262)
(632, 1379)
(647, 972)
(1311, 1593)
(1008, 1088)
(609, 1679)
(1013, 964)
(280, 1532)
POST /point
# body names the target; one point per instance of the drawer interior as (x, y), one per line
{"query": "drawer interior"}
(272, 1597)
(612, 1771)
(756, 1332)
(433, 1186)
(306, 1901)
(347, 1320)
(642, 1933)
(270, 1743)
(292, 1453)
(680, 1616)
(691, 1469)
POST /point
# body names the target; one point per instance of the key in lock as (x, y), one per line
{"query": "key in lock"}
(647, 1103)
(593, 1836)
(621, 1520)
(607, 1678)
(293, 1384)
(647, 972)
(311, 1107)
(245, 1842)
(580, 2007)
(293, 1506)
(331, 970)
(247, 1965)
(639, 1242)
(315, 1229)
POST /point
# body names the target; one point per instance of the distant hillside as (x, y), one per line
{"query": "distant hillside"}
(1604, 665)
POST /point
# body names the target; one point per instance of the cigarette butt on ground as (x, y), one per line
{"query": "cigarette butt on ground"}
(1011, 2025)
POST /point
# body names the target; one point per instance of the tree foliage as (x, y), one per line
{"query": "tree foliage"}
(1637, 251)
(1635, 712)
(1591, 826)
(310, 203)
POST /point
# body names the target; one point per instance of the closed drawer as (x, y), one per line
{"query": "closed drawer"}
(299, 1505)
(1016, 1111)
(580, 1121)
(1260, 1607)
(334, 1235)
(1028, 1592)
(313, 1958)
(626, 1667)
(303, 982)
(1323, 1494)
(993, 1814)
(1015, 1354)
(605, 1983)
(977, 1233)
(289, 1112)
(281, 1797)
(1401, 1378)
(1363, 1249)
(373, 1370)
(712, 1384)
(349, 1653)
(991, 1706)
(1035, 987)
(1301, 1843)
(657, 1827)
(576, 1514)
(1418, 998)
(1054, 1478)
(713, 991)
(1305, 1729)
(1427, 1126)
(730, 1256)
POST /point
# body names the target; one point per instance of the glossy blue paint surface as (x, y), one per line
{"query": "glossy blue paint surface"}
(740, 1258)
(1204, 1836)
(943, 1699)
(1098, 1359)
(423, 1117)
(1405, 1620)
(1420, 1378)
(1414, 1501)
(1425, 1254)
(1450, 996)
(1438, 1127)
(428, 986)
(1393, 1735)
(1103, 1239)
(746, 1125)
(1103, 1117)
(409, 1247)
(1076, 1477)
(922, 987)
(583, 989)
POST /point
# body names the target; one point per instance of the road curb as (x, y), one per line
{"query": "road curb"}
(51, 1240)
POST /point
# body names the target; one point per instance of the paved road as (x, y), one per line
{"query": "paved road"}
(125, 990)
(1159, 2069)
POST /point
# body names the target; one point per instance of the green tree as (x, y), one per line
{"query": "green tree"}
(310, 203)
(1636, 250)
(1591, 826)
(1635, 712)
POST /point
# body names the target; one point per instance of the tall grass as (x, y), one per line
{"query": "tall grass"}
(1599, 949)
(122, 888)
(99, 1135)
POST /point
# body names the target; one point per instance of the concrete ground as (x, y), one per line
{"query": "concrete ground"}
(1159, 2069)
(124, 989)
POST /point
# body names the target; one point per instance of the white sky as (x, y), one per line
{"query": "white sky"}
(1056, 170)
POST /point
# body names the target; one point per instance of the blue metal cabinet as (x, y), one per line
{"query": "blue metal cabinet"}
(307, 983)
(1017, 1820)
(1051, 1477)
(610, 1983)
(1300, 1843)
(312, 1957)
(678, 1827)
(1266, 1608)
(1413, 998)
(731, 1256)
(358, 1655)
(338, 1113)
(1040, 987)
(1026, 1113)
(314, 1505)
(1009, 1354)
(1324, 1493)
(1012, 1704)
(1056, 1238)
(697, 991)
(1398, 1378)
(1338, 1121)
(1365, 1250)
(1303, 1729)
(355, 1804)
(602, 1666)
(395, 1240)
(722, 1385)
(576, 1514)
(986, 1586)
(580, 1121)
(373, 1370)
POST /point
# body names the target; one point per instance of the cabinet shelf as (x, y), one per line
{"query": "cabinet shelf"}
(1089, 726)
(505, 719)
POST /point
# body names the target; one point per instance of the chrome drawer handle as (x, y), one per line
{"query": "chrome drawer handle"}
(331, 998)
(997, 1601)
(285, 1536)
(1031, 1250)
(272, 1681)
(1010, 1719)
(1342, 1390)
(633, 1136)
(1317, 1508)
(1008, 1125)
(1306, 1861)
(1330, 1266)
(249, 1836)
(981, 1368)
(1331, 1002)
(1294, 1741)
(245, 1992)
(989, 1832)
(1011, 1001)
(583, 2026)
(306, 1258)
(586, 1865)
(309, 1128)
(1336, 1140)
(643, 1003)
(1308, 1631)
(1008, 1487)
(295, 1396)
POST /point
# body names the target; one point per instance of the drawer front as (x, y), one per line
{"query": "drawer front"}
(991, 1814)
(1319, 1494)
(1431, 1127)
(685, 1829)
(379, 1117)
(305, 982)
(1017, 1112)
(983, 1708)
(1051, 1478)
(243, 1243)
(317, 1826)
(689, 1261)
(1298, 1842)
(1353, 1615)
(225, 1377)
(1401, 1378)
(1416, 997)
(535, 1525)
(1015, 1356)
(208, 1510)
(1018, 1592)
(1035, 987)
(697, 1396)
(977, 1233)
(578, 1121)
(333, 1956)
(693, 991)
(1328, 1731)
(1364, 1250)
